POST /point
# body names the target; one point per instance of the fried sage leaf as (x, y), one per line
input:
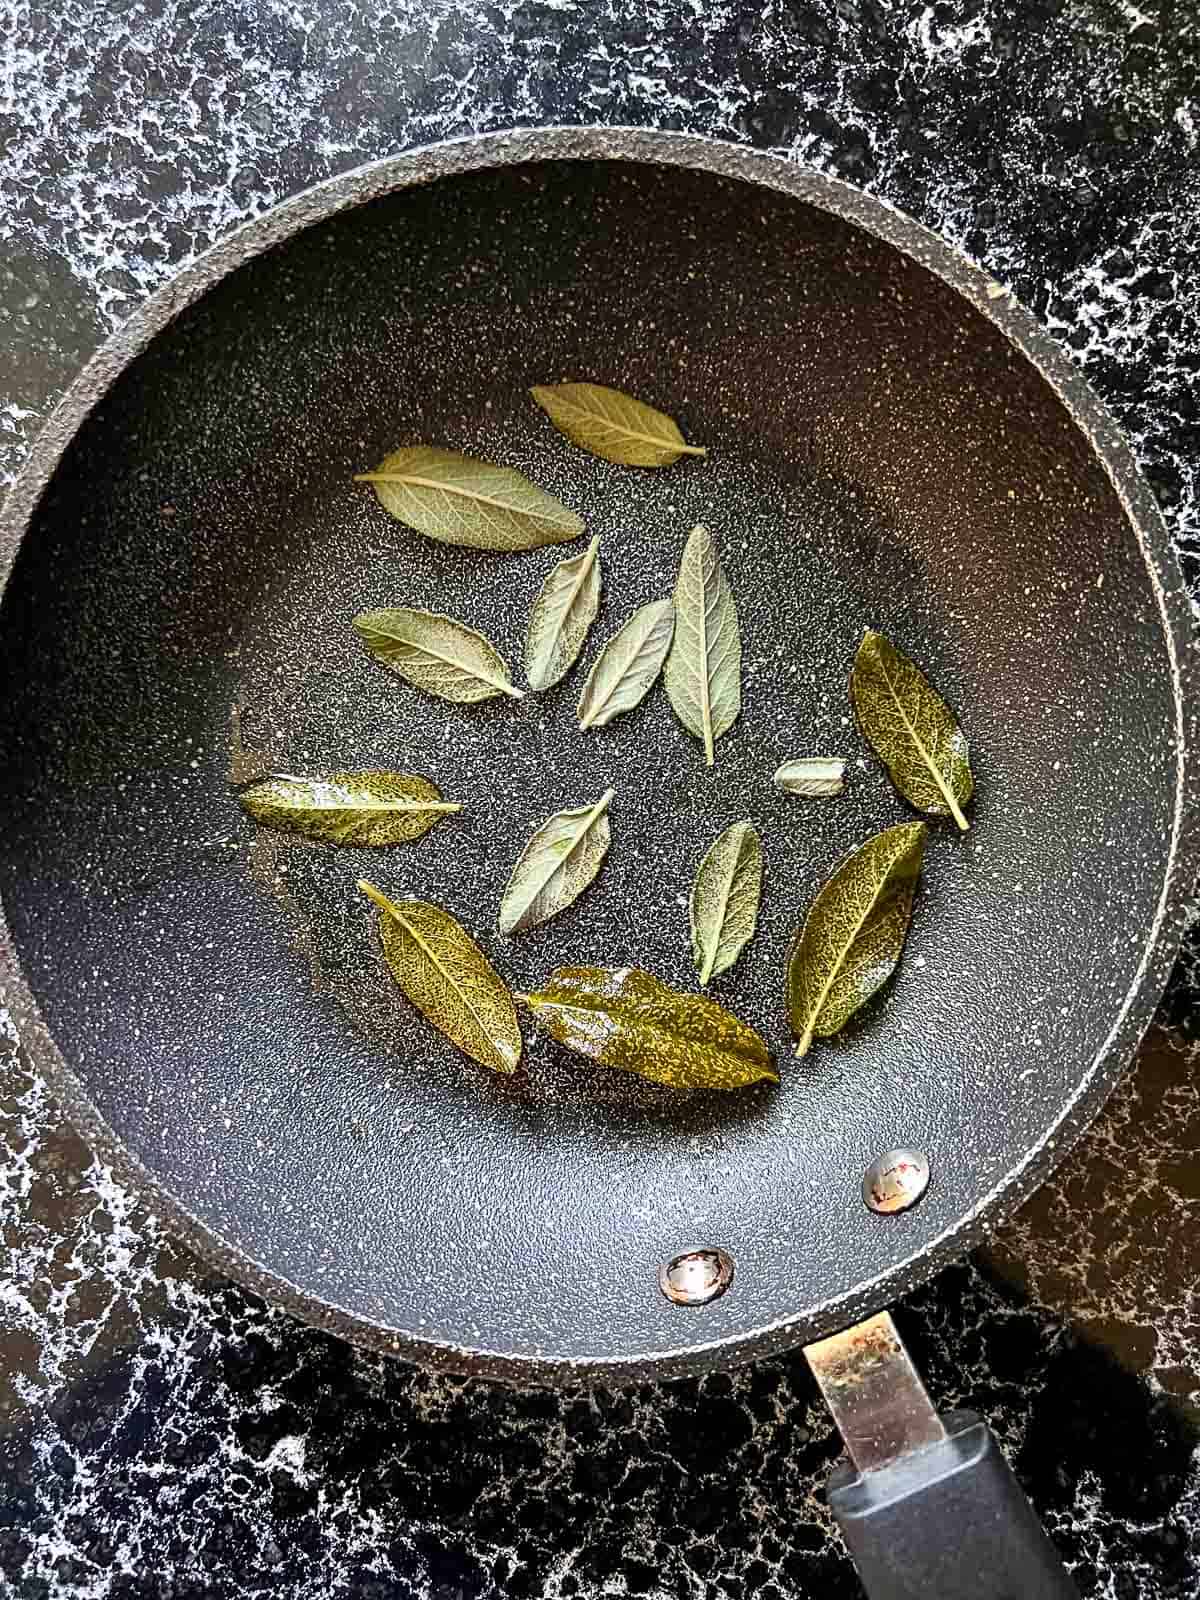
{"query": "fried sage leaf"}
(724, 906)
(625, 1018)
(811, 776)
(912, 730)
(853, 936)
(457, 500)
(704, 669)
(438, 654)
(449, 979)
(626, 668)
(564, 610)
(562, 857)
(613, 425)
(371, 808)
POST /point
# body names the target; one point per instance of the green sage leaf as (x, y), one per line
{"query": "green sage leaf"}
(457, 500)
(627, 667)
(564, 610)
(912, 730)
(614, 425)
(436, 653)
(449, 979)
(359, 808)
(624, 1018)
(562, 857)
(723, 911)
(854, 934)
(703, 674)
(811, 776)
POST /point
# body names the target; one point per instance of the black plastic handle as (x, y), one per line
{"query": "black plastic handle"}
(947, 1523)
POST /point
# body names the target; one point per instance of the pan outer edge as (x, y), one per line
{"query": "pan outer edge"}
(878, 218)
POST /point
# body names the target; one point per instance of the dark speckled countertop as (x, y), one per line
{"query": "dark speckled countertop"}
(163, 1434)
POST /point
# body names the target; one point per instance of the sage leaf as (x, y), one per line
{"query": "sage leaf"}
(449, 979)
(811, 776)
(912, 730)
(457, 500)
(613, 425)
(724, 906)
(562, 857)
(624, 1018)
(704, 669)
(564, 610)
(436, 653)
(626, 668)
(359, 808)
(853, 936)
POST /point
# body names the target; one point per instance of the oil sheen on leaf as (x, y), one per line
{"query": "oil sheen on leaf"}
(458, 500)
(704, 669)
(564, 610)
(624, 1018)
(627, 667)
(912, 730)
(359, 808)
(854, 934)
(725, 896)
(449, 979)
(436, 653)
(562, 857)
(614, 425)
(811, 776)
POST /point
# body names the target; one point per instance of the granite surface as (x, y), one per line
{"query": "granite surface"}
(163, 1434)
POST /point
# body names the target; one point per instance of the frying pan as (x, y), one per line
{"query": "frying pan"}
(892, 442)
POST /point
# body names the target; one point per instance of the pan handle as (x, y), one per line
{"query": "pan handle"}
(950, 1520)
(929, 1507)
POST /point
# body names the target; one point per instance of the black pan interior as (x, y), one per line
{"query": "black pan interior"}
(179, 616)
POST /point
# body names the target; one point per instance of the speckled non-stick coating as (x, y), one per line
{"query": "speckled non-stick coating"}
(179, 614)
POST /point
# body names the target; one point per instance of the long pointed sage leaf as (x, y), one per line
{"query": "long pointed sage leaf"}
(854, 934)
(448, 978)
(912, 729)
(723, 911)
(626, 669)
(624, 1018)
(703, 674)
(563, 611)
(613, 425)
(436, 653)
(356, 808)
(562, 857)
(457, 500)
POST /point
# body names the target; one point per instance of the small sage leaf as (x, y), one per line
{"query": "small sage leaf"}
(449, 979)
(624, 1018)
(562, 857)
(912, 730)
(854, 934)
(614, 425)
(359, 808)
(627, 667)
(564, 610)
(438, 654)
(704, 669)
(811, 776)
(724, 904)
(458, 500)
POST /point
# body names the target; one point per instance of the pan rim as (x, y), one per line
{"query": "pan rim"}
(1106, 440)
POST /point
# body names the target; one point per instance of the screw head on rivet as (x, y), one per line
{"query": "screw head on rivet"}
(895, 1180)
(697, 1276)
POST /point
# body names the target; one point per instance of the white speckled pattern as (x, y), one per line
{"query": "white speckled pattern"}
(166, 1437)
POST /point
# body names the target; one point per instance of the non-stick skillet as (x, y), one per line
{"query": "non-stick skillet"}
(892, 443)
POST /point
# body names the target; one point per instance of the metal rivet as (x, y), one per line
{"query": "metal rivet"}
(697, 1276)
(895, 1180)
